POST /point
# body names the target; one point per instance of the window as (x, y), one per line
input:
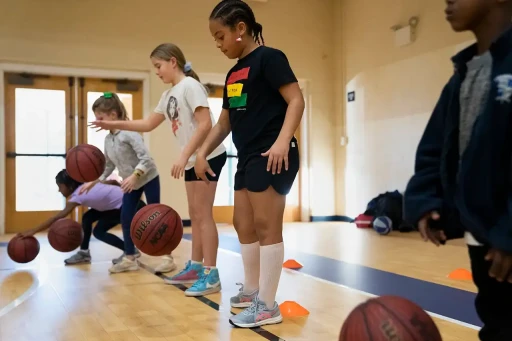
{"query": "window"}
(225, 195)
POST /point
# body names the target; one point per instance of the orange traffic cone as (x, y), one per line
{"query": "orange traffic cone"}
(292, 264)
(461, 275)
(292, 309)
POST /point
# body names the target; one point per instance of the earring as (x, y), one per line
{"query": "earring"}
(239, 39)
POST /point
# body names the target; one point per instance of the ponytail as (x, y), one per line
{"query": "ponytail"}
(257, 33)
(187, 70)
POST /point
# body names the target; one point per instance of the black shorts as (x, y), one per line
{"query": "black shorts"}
(216, 164)
(252, 172)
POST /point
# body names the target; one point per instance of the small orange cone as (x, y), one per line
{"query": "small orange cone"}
(292, 264)
(461, 275)
(292, 309)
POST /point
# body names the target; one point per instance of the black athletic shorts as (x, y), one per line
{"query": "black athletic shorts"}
(216, 164)
(252, 172)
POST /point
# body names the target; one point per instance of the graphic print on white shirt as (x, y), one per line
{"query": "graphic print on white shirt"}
(173, 114)
(179, 105)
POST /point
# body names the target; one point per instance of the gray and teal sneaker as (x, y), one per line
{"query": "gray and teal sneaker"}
(208, 283)
(257, 315)
(190, 274)
(242, 300)
(80, 257)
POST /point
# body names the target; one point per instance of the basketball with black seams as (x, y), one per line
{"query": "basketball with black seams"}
(156, 230)
(65, 235)
(23, 249)
(85, 163)
(389, 318)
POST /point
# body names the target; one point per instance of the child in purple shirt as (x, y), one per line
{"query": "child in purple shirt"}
(104, 201)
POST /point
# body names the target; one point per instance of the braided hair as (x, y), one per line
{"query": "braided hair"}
(232, 12)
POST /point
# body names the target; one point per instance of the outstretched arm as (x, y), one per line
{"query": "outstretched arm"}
(142, 126)
(70, 206)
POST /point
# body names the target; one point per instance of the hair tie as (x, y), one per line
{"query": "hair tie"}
(187, 67)
(107, 95)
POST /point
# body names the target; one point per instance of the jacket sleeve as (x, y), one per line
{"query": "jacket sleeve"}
(500, 235)
(423, 193)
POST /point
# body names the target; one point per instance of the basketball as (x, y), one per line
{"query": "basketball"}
(382, 225)
(156, 230)
(389, 318)
(65, 235)
(23, 250)
(85, 163)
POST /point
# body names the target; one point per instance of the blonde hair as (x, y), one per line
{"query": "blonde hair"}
(109, 102)
(168, 51)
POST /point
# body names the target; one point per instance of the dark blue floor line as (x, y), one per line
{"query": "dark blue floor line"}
(438, 299)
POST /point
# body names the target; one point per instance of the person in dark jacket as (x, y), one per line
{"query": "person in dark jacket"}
(462, 183)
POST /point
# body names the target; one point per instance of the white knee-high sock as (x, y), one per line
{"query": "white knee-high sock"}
(251, 259)
(271, 264)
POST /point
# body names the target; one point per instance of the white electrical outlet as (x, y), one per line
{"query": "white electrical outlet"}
(343, 141)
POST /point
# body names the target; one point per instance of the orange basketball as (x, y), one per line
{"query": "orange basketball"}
(389, 318)
(85, 163)
(23, 250)
(65, 235)
(156, 230)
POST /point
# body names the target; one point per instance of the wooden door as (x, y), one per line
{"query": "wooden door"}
(38, 132)
(43, 121)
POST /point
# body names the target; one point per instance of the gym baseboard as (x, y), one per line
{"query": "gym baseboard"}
(342, 218)
(187, 222)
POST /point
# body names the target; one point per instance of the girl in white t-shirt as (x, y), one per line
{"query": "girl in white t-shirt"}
(186, 107)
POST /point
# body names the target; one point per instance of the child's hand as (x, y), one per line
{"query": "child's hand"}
(129, 183)
(87, 187)
(178, 169)
(101, 125)
(202, 167)
(427, 232)
(501, 266)
(277, 156)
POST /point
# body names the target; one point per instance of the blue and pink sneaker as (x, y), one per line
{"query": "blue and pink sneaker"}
(243, 300)
(190, 274)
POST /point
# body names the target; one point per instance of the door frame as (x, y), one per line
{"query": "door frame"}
(68, 72)
(305, 134)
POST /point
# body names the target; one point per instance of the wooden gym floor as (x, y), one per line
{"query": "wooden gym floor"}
(343, 266)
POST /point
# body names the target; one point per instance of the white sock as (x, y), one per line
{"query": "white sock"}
(271, 261)
(251, 259)
(195, 262)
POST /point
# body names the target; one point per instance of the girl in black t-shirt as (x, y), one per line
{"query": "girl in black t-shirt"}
(263, 106)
